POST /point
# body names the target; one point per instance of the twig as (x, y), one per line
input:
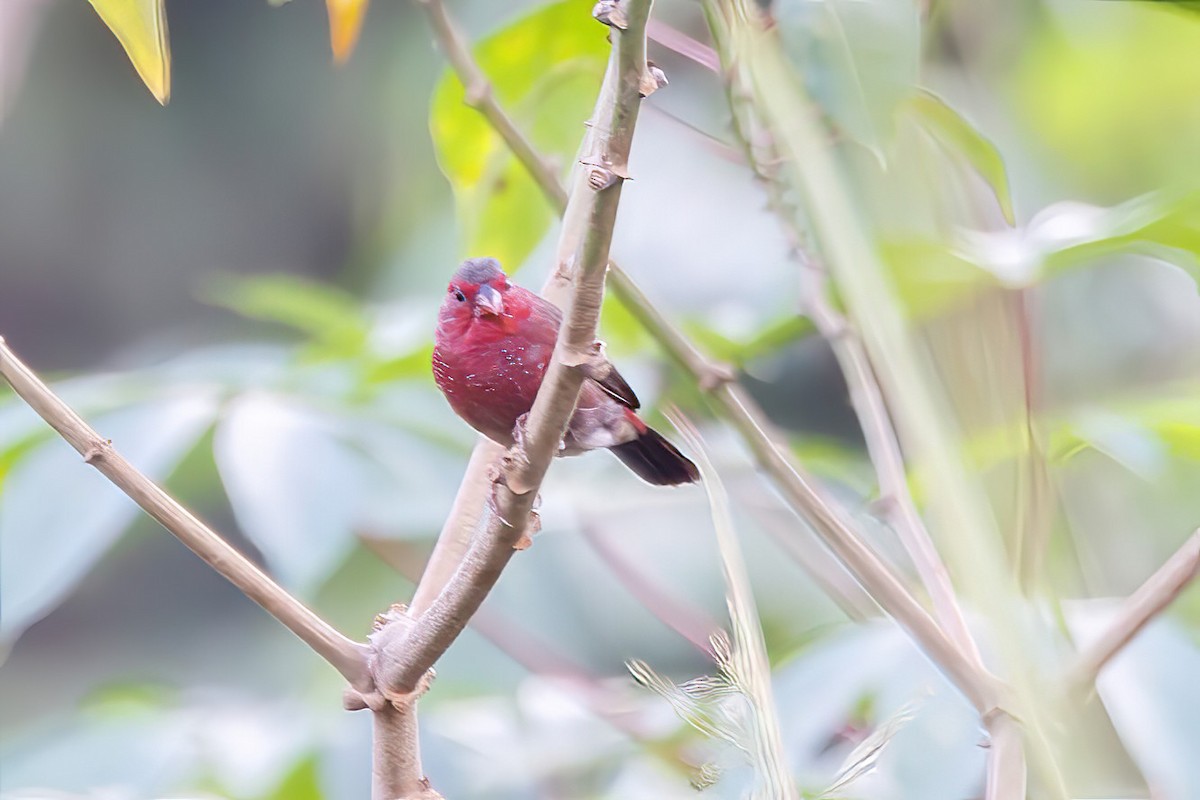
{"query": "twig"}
(480, 96)
(823, 569)
(744, 415)
(1158, 592)
(404, 657)
(346, 656)
(464, 518)
(866, 397)
(830, 522)
(815, 174)
(883, 449)
(396, 755)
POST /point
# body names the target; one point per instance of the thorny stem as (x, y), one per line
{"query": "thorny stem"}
(740, 27)
(883, 446)
(404, 656)
(345, 655)
(799, 490)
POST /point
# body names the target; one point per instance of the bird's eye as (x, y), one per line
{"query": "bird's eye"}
(460, 297)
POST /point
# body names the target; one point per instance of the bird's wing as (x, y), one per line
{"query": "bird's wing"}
(608, 379)
(605, 375)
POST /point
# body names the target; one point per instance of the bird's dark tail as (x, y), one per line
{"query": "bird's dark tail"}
(656, 461)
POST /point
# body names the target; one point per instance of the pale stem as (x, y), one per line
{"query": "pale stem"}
(1147, 602)
(345, 655)
(405, 654)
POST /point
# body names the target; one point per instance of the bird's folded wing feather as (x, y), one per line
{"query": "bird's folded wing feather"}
(608, 379)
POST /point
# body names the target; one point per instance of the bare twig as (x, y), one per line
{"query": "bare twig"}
(825, 571)
(479, 96)
(883, 448)
(464, 518)
(402, 659)
(346, 656)
(764, 72)
(744, 415)
(830, 522)
(396, 756)
(1158, 592)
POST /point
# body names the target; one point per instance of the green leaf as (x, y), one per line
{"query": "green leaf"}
(545, 69)
(953, 131)
(859, 59)
(58, 516)
(141, 28)
(329, 315)
(1111, 106)
(774, 336)
(301, 783)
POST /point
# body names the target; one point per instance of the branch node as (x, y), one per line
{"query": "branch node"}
(477, 94)
(652, 79)
(713, 376)
(611, 13)
(601, 177)
(98, 451)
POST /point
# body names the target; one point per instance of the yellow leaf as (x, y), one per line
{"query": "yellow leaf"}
(345, 23)
(141, 28)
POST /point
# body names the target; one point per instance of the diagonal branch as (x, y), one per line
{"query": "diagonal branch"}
(405, 653)
(1150, 599)
(739, 409)
(346, 656)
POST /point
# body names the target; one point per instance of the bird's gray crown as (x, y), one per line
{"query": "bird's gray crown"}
(479, 271)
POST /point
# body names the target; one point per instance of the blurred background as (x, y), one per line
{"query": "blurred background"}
(240, 290)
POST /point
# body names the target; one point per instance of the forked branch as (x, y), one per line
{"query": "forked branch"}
(405, 653)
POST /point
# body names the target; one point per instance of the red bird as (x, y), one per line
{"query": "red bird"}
(491, 350)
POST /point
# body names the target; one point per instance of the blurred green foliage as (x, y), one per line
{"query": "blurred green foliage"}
(544, 70)
(310, 424)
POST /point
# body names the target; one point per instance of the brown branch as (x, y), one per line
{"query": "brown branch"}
(866, 397)
(883, 449)
(1150, 599)
(465, 516)
(396, 755)
(346, 656)
(480, 96)
(404, 656)
(744, 415)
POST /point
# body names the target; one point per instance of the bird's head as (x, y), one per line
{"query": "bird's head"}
(477, 290)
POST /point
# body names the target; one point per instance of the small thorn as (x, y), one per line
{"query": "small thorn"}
(611, 13)
(652, 80)
(477, 94)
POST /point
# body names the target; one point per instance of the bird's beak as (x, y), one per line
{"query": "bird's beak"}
(488, 299)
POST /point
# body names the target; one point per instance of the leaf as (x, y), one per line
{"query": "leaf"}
(859, 59)
(58, 516)
(544, 70)
(329, 315)
(345, 25)
(141, 28)
(1162, 225)
(960, 136)
(1088, 93)
(296, 489)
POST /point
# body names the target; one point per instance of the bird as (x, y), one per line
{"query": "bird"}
(492, 349)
